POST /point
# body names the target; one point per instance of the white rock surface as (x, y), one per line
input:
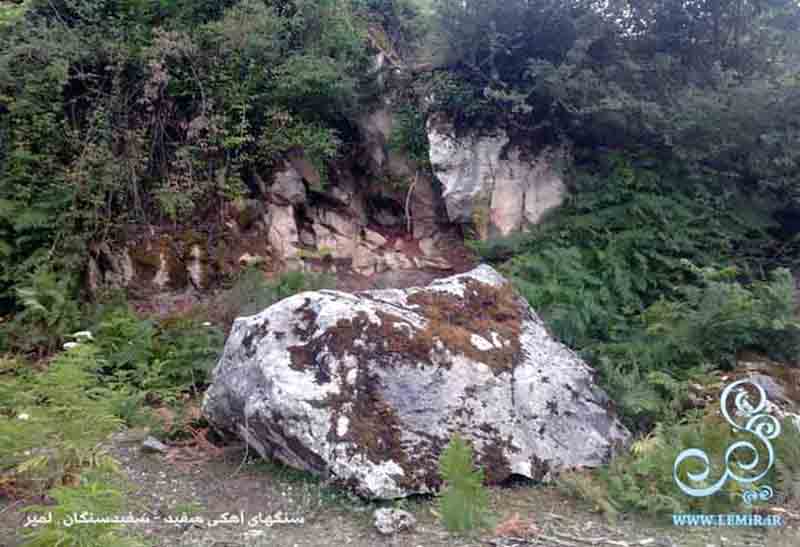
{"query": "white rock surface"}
(391, 521)
(368, 388)
(288, 185)
(487, 175)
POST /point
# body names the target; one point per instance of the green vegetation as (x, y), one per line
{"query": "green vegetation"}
(252, 293)
(465, 502)
(672, 257)
(114, 113)
(95, 496)
(658, 286)
(654, 282)
(642, 479)
(410, 136)
(121, 372)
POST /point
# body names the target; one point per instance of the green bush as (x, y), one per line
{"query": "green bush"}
(164, 359)
(410, 136)
(49, 313)
(252, 293)
(185, 352)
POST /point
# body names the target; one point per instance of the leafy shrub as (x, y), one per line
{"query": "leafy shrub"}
(409, 135)
(161, 359)
(186, 352)
(49, 312)
(464, 503)
(125, 341)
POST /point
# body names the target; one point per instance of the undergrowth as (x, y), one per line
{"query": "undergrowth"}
(660, 283)
(641, 480)
(123, 370)
(655, 282)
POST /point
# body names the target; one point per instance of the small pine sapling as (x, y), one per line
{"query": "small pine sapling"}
(465, 502)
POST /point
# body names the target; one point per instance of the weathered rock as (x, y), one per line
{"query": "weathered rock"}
(432, 263)
(391, 521)
(151, 444)
(156, 263)
(424, 208)
(118, 271)
(398, 261)
(305, 168)
(247, 260)
(288, 185)
(384, 217)
(197, 267)
(376, 128)
(774, 391)
(368, 388)
(284, 237)
(486, 176)
(335, 233)
(368, 262)
(374, 238)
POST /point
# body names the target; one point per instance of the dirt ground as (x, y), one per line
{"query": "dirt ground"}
(160, 486)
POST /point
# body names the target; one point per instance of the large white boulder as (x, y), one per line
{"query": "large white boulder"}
(368, 388)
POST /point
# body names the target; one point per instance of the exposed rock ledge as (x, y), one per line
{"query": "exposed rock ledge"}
(368, 388)
(491, 182)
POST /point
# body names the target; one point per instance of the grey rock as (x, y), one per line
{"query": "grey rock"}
(774, 391)
(288, 185)
(391, 521)
(366, 389)
(151, 444)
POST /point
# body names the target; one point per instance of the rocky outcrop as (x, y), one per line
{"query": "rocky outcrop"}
(368, 388)
(490, 182)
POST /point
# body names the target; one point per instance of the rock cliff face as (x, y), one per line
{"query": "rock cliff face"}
(492, 183)
(377, 212)
(354, 224)
(368, 388)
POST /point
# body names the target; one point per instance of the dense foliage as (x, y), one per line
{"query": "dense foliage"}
(654, 280)
(714, 83)
(122, 112)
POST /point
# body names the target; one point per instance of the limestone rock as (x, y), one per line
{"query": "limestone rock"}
(367, 262)
(391, 521)
(335, 232)
(487, 176)
(284, 237)
(432, 263)
(303, 166)
(367, 388)
(374, 238)
(118, 271)
(288, 185)
(248, 260)
(197, 267)
(151, 444)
